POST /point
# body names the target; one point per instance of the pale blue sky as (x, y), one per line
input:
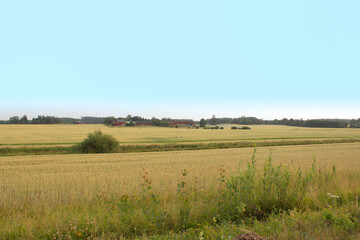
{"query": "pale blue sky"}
(191, 59)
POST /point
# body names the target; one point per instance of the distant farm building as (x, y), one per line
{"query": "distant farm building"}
(143, 123)
(182, 122)
(132, 123)
(118, 123)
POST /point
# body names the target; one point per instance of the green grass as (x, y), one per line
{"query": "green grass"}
(34, 150)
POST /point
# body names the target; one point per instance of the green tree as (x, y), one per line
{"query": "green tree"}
(202, 122)
(353, 123)
(213, 120)
(156, 122)
(14, 120)
(109, 120)
(24, 119)
(98, 142)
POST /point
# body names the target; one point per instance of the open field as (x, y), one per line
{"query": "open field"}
(60, 139)
(65, 134)
(152, 191)
(83, 176)
(43, 195)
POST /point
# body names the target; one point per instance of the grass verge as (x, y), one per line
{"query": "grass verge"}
(49, 150)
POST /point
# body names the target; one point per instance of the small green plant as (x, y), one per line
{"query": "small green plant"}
(234, 127)
(221, 127)
(183, 201)
(246, 128)
(98, 142)
(217, 127)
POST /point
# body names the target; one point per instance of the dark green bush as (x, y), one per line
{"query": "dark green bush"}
(217, 127)
(234, 127)
(98, 142)
(221, 127)
(246, 128)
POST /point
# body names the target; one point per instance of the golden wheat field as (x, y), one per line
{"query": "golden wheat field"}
(63, 179)
(60, 134)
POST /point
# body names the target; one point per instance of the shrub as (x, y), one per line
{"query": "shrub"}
(98, 142)
(221, 127)
(246, 128)
(258, 194)
(233, 127)
(217, 127)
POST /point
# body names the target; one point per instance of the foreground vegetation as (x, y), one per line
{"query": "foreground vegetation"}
(183, 195)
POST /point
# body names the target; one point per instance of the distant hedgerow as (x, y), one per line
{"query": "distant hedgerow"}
(98, 142)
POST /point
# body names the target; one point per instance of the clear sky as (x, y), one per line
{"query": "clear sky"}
(188, 59)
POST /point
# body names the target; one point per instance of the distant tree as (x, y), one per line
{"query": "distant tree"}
(137, 118)
(14, 120)
(353, 123)
(109, 120)
(156, 122)
(92, 120)
(46, 120)
(202, 122)
(24, 119)
(213, 120)
(128, 118)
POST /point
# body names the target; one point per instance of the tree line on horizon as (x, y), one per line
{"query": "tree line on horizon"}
(325, 123)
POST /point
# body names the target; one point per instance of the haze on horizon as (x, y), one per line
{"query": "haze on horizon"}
(180, 59)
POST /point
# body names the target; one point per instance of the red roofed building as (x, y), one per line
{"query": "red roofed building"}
(118, 123)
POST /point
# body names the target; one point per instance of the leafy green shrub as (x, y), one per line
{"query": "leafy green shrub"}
(234, 127)
(98, 142)
(221, 127)
(246, 128)
(258, 194)
(217, 127)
